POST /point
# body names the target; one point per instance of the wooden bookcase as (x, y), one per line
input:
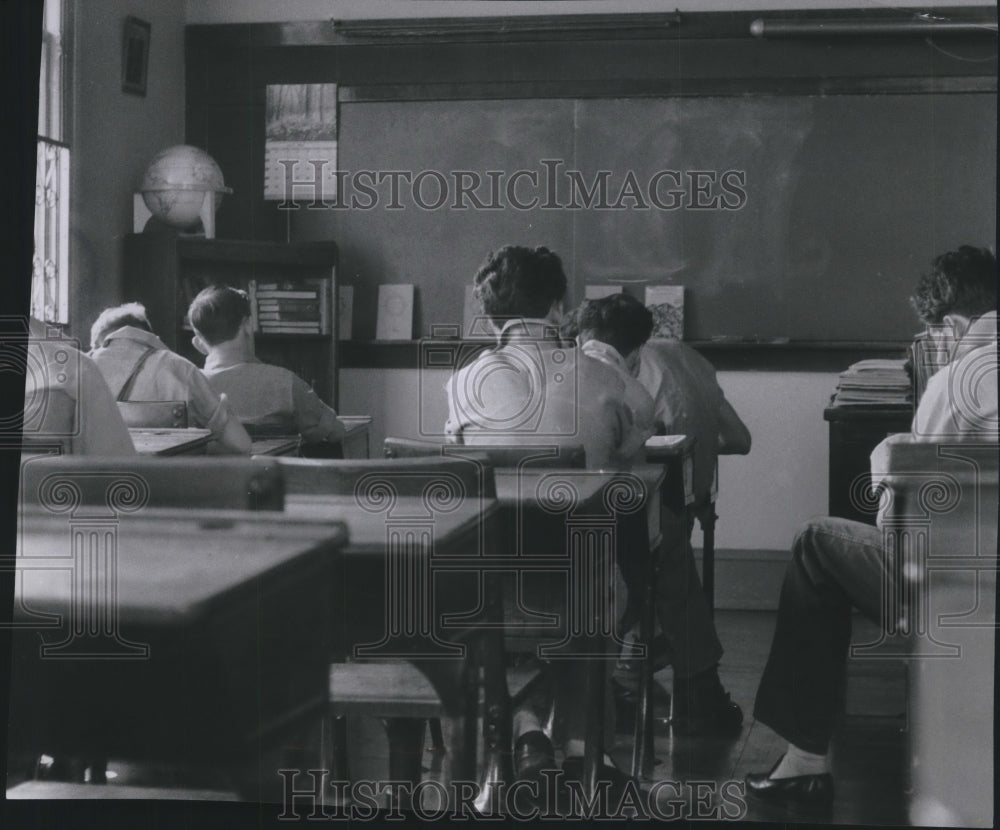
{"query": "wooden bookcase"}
(164, 272)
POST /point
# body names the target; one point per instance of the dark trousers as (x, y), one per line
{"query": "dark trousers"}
(681, 607)
(836, 565)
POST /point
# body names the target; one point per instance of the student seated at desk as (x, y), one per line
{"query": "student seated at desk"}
(614, 330)
(839, 564)
(139, 367)
(534, 390)
(261, 395)
(68, 401)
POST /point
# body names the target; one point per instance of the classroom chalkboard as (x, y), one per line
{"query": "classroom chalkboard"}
(796, 216)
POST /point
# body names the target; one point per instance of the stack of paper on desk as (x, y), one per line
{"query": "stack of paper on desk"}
(874, 382)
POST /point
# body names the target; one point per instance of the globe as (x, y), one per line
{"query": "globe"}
(175, 184)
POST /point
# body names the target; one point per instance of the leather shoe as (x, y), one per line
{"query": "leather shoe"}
(797, 791)
(533, 752)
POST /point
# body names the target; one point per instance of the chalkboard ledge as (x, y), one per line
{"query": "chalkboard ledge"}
(725, 355)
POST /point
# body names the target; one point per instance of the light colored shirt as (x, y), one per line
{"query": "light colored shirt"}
(67, 401)
(531, 390)
(687, 401)
(960, 400)
(166, 376)
(263, 395)
(637, 399)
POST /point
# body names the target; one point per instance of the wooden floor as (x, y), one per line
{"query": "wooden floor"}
(868, 751)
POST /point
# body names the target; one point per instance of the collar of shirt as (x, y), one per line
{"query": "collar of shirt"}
(216, 362)
(606, 353)
(146, 338)
(527, 328)
(982, 331)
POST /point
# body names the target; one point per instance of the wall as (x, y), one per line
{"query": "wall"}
(259, 11)
(763, 497)
(115, 136)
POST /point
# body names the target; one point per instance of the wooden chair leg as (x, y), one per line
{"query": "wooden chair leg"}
(338, 748)
(406, 749)
(642, 743)
(437, 738)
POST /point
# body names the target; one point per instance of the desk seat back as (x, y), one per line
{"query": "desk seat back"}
(410, 476)
(198, 483)
(940, 513)
(572, 456)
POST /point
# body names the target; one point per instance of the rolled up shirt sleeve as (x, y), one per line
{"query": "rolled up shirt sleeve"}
(314, 420)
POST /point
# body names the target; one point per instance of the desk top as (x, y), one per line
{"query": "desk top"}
(368, 529)
(170, 441)
(170, 568)
(551, 489)
(275, 445)
(354, 423)
(664, 447)
(881, 412)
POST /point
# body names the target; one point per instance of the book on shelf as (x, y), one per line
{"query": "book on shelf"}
(666, 302)
(395, 312)
(290, 307)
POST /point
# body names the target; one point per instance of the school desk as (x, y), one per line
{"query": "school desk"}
(276, 445)
(354, 443)
(565, 522)
(356, 435)
(941, 525)
(854, 433)
(407, 593)
(167, 636)
(190, 441)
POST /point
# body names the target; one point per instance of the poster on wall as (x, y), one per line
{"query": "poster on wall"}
(300, 143)
(667, 304)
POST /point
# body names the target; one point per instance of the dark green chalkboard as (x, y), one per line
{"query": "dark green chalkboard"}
(845, 200)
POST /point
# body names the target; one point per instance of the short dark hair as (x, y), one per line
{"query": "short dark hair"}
(112, 319)
(619, 320)
(519, 282)
(217, 313)
(959, 282)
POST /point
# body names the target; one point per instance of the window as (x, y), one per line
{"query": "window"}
(50, 267)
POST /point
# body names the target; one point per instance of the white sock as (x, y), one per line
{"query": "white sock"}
(799, 762)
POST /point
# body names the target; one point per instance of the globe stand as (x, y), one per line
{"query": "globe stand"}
(142, 214)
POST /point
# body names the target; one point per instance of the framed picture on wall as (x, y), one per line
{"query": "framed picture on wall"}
(135, 55)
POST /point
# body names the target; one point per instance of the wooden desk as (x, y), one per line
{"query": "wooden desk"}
(214, 641)
(170, 441)
(559, 522)
(354, 442)
(276, 445)
(410, 591)
(854, 433)
(942, 525)
(356, 437)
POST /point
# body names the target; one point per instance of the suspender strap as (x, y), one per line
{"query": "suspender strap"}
(126, 390)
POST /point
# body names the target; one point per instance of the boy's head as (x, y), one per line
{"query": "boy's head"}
(112, 319)
(520, 282)
(962, 282)
(219, 314)
(619, 320)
